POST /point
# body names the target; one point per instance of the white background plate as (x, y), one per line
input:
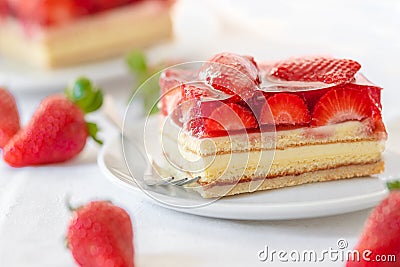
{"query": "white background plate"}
(19, 77)
(305, 201)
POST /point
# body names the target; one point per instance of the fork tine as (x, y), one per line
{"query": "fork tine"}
(190, 180)
(180, 181)
(193, 180)
(154, 181)
(185, 181)
(165, 181)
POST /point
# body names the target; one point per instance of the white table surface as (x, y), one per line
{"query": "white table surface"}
(33, 215)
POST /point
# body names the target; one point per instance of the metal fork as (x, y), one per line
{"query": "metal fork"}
(172, 181)
(151, 181)
(110, 112)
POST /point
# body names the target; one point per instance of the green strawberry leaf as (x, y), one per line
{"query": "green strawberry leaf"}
(97, 101)
(93, 130)
(85, 95)
(393, 185)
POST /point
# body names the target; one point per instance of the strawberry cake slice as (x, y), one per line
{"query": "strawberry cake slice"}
(244, 127)
(58, 33)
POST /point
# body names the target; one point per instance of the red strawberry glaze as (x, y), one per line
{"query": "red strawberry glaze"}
(170, 82)
(233, 74)
(294, 104)
(48, 13)
(219, 119)
(3, 9)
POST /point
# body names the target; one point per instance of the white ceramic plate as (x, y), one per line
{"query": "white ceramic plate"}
(19, 77)
(305, 201)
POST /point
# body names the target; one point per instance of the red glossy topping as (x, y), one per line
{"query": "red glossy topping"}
(57, 12)
(285, 109)
(101, 5)
(343, 104)
(226, 118)
(3, 8)
(171, 82)
(318, 69)
(198, 96)
(195, 91)
(45, 12)
(232, 74)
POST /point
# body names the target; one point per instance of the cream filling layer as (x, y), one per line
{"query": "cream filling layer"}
(272, 163)
(342, 132)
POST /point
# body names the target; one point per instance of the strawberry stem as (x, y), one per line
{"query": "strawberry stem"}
(93, 130)
(88, 98)
(66, 243)
(85, 95)
(67, 201)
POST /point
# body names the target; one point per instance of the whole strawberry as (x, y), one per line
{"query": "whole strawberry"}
(9, 117)
(381, 235)
(57, 131)
(100, 234)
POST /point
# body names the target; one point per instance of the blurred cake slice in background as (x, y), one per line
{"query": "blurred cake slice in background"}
(59, 33)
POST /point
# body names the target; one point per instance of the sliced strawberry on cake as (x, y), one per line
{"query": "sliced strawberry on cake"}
(316, 69)
(285, 109)
(233, 74)
(223, 119)
(340, 105)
